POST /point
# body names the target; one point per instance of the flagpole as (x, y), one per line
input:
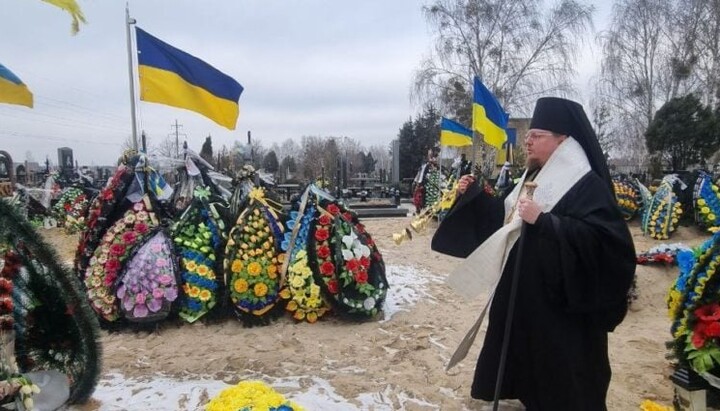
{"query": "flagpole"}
(129, 21)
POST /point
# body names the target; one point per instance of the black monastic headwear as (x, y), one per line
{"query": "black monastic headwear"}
(568, 117)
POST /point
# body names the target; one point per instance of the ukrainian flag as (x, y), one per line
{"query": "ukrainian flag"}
(489, 118)
(13, 90)
(171, 76)
(454, 134)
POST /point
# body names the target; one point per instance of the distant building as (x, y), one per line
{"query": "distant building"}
(29, 173)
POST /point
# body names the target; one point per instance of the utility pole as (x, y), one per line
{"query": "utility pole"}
(177, 126)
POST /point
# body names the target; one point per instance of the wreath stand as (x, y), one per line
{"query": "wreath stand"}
(691, 390)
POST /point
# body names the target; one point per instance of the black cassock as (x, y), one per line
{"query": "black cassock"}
(577, 266)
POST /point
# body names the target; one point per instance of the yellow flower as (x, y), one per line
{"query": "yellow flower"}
(648, 405)
(711, 217)
(285, 294)
(299, 315)
(260, 289)
(237, 266)
(312, 317)
(254, 268)
(205, 295)
(194, 292)
(272, 269)
(190, 265)
(701, 202)
(705, 210)
(291, 306)
(297, 282)
(203, 270)
(240, 285)
(281, 257)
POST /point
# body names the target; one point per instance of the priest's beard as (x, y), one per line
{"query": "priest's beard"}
(532, 164)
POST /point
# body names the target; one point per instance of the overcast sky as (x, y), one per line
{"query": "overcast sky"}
(309, 67)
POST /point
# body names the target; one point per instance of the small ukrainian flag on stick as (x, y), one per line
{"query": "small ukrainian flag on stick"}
(454, 134)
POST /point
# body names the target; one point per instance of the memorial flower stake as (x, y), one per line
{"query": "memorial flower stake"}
(110, 256)
(306, 301)
(253, 260)
(198, 238)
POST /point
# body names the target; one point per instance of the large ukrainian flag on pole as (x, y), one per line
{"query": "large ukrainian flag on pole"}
(489, 118)
(13, 90)
(173, 77)
(454, 134)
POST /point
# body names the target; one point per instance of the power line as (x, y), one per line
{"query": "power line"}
(56, 139)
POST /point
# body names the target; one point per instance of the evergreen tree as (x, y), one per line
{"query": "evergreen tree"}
(207, 151)
(270, 162)
(683, 132)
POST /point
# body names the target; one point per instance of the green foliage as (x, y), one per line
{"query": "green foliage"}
(684, 132)
(416, 138)
(270, 162)
(206, 152)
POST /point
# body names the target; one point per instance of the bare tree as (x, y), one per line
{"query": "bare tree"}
(165, 148)
(519, 52)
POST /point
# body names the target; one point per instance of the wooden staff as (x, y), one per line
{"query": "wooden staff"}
(530, 187)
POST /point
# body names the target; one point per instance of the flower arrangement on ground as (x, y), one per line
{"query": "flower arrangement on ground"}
(346, 262)
(661, 218)
(707, 203)
(663, 253)
(628, 197)
(304, 294)
(694, 308)
(251, 396)
(253, 261)
(110, 256)
(100, 215)
(199, 236)
(148, 285)
(70, 209)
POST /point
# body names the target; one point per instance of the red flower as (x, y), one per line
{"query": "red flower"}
(333, 286)
(333, 209)
(323, 252)
(698, 337)
(360, 228)
(324, 219)
(365, 262)
(117, 249)
(348, 216)
(327, 268)
(67, 207)
(141, 228)
(6, 286)
(352, 265)
(370, 242)
(109, 278)
(708, 312)
(129, 237)
(107, 195)
(361, 277)
(322, 234)
(6, 305)
(112, 264)
(713, 329)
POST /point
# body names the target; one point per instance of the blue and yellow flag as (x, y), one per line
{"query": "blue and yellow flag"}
(489, 118)
(454, 134)
(173, 77)
(71, 7)
(13, 90)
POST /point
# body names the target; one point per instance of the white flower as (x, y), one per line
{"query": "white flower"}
(361, 251)
(347, 255)
(26, 390)
(35, 389)
(369, 303)
(349, 240)
(28, 403)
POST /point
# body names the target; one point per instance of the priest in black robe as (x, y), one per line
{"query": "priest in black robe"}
(576, 267)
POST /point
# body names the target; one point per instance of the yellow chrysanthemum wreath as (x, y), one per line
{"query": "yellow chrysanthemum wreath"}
(251, 396)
